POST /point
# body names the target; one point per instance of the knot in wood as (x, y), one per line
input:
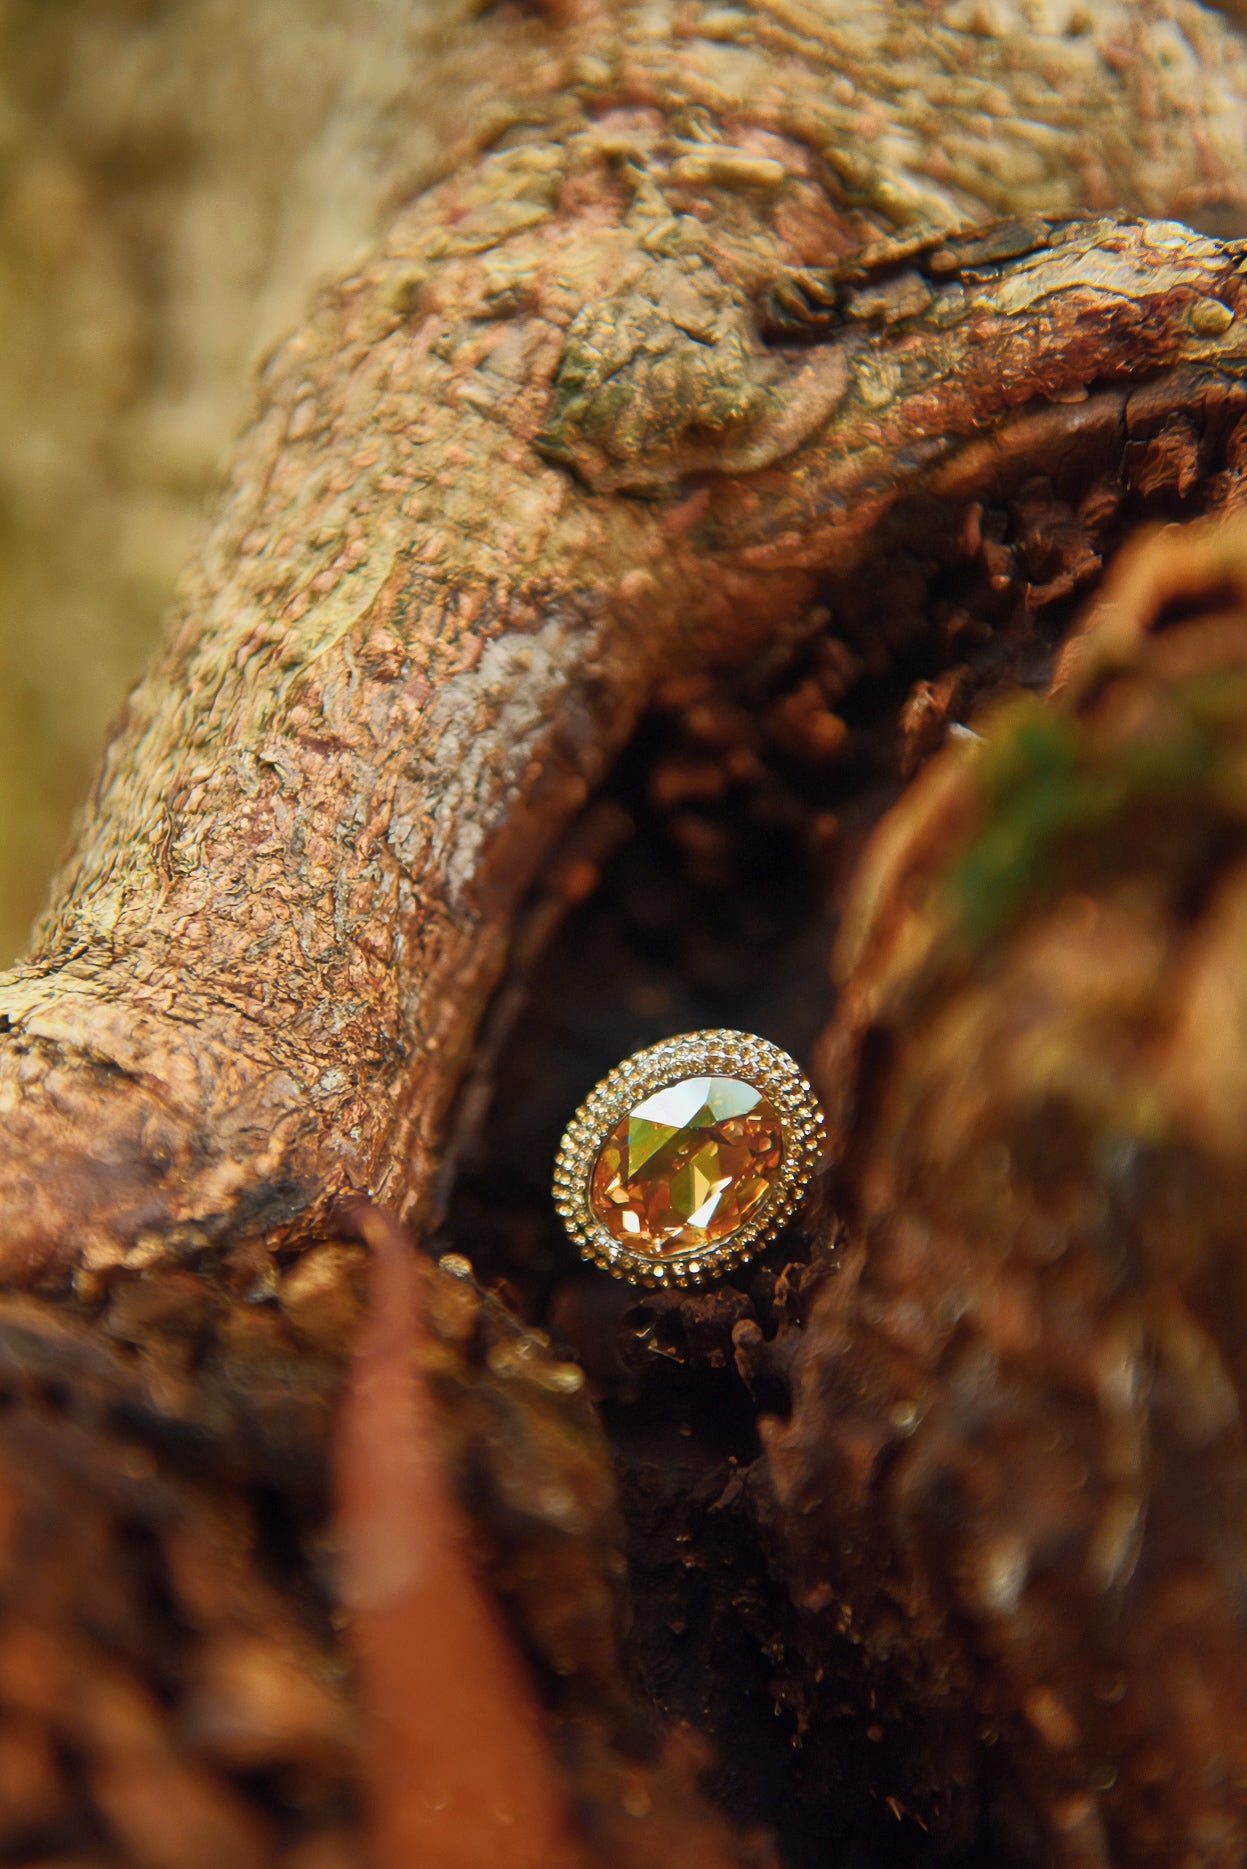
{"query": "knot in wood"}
(666, 378)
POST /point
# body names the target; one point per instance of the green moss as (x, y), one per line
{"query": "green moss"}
(1049, 787)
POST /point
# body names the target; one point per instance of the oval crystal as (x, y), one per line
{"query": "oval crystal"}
(689, 1166)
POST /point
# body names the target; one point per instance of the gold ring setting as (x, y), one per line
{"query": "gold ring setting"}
(688, 1158)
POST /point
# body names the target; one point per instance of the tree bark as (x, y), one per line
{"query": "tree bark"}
(690, 369)
(1016, 1413)
(389, 689)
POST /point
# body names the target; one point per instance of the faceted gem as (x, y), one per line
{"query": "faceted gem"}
(688, 1166)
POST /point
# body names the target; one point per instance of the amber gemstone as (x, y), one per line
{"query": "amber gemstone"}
(688, 1166)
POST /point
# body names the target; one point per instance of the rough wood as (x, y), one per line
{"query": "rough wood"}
(633, 397)
(293, 890)
(1012, 1485)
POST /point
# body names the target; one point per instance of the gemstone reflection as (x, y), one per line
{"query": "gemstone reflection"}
(688, 1166)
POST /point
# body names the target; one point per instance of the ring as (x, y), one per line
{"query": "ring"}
(688, 1158)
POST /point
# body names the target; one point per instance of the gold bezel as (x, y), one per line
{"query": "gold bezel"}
(697, 1054)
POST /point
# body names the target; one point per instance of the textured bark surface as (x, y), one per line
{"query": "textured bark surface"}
(176, 178)
(684, 402)
(388, 692)
(1014, 1468)
(173, 1684)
